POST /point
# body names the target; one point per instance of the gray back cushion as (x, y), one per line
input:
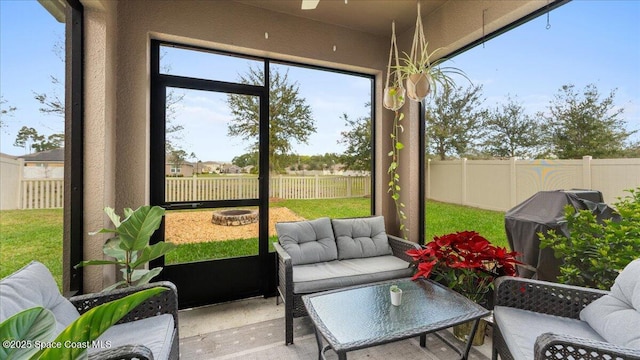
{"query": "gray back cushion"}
(32, 286)
(361, 237)
(308, 242)
(616, 316)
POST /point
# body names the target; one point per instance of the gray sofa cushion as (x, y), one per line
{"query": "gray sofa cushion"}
(520, 328)
(337, 274)
(308, 242)
(155, 332)
(616, 316)
(361, 237)
(32, 286)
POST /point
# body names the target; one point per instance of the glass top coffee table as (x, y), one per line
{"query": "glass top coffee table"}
(362, 316)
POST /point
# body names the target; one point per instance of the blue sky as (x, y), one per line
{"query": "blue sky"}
(588, 42)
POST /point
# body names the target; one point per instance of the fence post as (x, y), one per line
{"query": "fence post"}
(463, 163)
(194, 186)
(21, 185)
(349, 186)
(428, 179)
(317, 186)
(280, 187)
(513, 182)
(586, 172)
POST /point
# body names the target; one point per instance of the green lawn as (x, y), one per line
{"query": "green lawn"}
(27, 235)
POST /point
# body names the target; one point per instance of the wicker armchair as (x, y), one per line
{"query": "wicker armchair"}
(164, 303)
(552, 299)
(294, 307)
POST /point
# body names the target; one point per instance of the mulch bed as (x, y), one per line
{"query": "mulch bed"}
(186, 227)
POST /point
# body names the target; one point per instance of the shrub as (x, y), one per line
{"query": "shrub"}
(596, 251)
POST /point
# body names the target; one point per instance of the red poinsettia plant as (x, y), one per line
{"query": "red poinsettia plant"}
(464, 261)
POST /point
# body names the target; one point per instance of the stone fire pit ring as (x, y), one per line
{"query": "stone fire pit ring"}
(234, 217)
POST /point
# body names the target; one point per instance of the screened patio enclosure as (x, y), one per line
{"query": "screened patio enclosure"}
(114, 136)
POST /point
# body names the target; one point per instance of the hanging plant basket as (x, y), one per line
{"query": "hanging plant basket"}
(423, 74)
(394, 97)
(418, 86)
(394, 92)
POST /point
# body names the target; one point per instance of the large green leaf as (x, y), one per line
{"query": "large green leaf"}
(136, 230)
(26, 327)
(94, 322)
(115, 218)
(153, 252)
(112, 248)
(145, 276)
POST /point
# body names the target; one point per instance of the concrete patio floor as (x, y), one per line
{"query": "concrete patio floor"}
(206, 319)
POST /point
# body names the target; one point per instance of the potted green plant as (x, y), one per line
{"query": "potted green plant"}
(37, 325)
(467, 263)
(597, 250)
(130, 247)
(394, 92)
(423, 74)
(396, 295)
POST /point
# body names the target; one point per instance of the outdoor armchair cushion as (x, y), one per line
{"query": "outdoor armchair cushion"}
(32, 286)
(155, 333)
(520, 329)
(616, 316)
(361, 237)
(308, 242)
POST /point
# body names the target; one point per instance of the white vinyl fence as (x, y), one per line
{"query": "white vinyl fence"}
(502, 184)
(487, 184)
(284, 187)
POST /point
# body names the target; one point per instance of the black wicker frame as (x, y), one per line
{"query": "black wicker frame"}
(164, 303)
(559, 300)
(293, 305)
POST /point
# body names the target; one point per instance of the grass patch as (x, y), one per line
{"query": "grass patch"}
(215, 250)
(27, 235)
(443, 218)
(333, 208)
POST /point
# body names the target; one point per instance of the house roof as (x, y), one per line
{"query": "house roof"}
(55, 155)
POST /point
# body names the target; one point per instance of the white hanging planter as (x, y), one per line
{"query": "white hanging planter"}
(394, 97)
(394, 93)
(418, 86)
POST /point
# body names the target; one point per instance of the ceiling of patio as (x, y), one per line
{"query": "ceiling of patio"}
(373, 17)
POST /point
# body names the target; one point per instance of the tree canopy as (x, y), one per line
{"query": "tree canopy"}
(454, 121)
(357, 155)
(511, 132)
(290, 117)
(579, 124)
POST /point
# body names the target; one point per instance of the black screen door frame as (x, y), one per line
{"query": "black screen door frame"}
(211, 281)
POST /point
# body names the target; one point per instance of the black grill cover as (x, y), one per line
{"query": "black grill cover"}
(542, 212)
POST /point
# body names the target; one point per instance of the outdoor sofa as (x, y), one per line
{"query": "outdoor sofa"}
(150, 331)
(536, 319)
(326, 254)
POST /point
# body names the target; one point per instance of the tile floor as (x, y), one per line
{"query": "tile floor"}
(206, 319)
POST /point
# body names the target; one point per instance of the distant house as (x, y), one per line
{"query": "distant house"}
(43, 164)
(184, 169)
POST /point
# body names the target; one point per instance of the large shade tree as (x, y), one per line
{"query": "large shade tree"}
(454, 121)
(511, 132)
(290, 117)
(582, 123)
(357, 139)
